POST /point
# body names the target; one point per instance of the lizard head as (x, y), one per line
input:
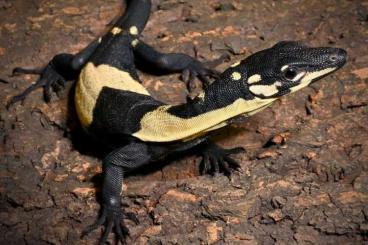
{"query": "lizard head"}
(287, 67)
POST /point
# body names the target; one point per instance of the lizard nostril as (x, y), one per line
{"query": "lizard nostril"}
(333, 58)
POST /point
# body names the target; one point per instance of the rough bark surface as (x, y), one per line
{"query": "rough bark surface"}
(305, 172)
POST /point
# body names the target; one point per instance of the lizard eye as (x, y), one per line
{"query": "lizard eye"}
(290, 73)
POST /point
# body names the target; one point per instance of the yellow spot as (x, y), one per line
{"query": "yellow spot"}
(161, 126)
(310, 76)
(254, 79)
(265, 90)
(133, 30)
(116, 30)
(236, 76)
(278, 83)
(135, 42)
(235, 64)
(91, 81)
(201, 96)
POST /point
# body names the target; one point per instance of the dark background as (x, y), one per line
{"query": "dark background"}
(305, 173)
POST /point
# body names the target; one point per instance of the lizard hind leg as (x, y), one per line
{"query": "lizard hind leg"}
(52, 77)
(26, 70)
(62, 68)
(49, 79)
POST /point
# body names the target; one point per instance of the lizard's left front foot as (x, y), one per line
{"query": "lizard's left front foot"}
(197, 69)
(111, 218)
(203, 71)
(216, 159)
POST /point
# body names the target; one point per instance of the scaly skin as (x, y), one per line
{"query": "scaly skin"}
(113, 106)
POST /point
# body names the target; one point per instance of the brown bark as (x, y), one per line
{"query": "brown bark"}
(305, 173)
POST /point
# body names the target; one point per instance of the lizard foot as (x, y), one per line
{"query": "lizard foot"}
(49, 79)
(216, 160)
(197, 69)
(204, 71)
(112, 218)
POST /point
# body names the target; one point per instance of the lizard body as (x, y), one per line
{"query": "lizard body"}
(111, 102)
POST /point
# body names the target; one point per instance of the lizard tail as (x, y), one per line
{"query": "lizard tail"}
(135, 17)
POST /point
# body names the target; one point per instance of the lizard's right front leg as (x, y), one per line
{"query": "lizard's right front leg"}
(115, 165)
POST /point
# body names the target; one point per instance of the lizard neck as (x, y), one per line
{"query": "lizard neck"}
(211, 110)
(219, 95)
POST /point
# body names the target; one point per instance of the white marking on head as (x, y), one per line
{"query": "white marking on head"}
(297, 77)
(133, 30)
(284, 67)
(135, 42)
(116, 30)
(265, 90)
(310, 76)
(254, 79)
(100, 40)
(236, 76)
(235, 64)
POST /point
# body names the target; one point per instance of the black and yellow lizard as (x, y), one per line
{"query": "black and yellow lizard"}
(111, 103)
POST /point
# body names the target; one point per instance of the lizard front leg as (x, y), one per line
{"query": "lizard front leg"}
(115, 165)
(217, 159)
(150, 60)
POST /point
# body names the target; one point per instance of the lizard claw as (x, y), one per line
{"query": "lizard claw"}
(49, 79)
(17, 71)
(216, 160)
(202, 71)
(112, 219)
(198, 70)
